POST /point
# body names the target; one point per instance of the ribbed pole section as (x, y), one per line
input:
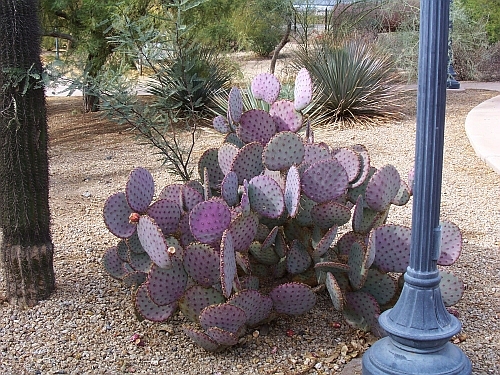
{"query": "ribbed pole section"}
(419, 327)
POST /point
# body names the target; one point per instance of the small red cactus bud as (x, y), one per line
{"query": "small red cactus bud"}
(335, 325)
(290, 332)
(134, 217)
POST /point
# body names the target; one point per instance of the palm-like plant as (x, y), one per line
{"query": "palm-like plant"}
(355, 83)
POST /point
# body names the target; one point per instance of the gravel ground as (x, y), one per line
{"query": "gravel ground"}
(87, 324)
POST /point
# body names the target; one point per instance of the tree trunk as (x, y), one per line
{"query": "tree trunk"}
(26, 250)
(280, 46)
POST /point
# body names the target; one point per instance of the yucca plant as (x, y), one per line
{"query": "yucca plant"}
(355, 83)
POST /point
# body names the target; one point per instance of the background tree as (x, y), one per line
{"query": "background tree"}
(26, 249)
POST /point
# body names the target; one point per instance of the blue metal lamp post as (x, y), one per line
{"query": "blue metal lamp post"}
(419, 327)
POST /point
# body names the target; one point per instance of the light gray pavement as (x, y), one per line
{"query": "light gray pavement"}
(482, 125)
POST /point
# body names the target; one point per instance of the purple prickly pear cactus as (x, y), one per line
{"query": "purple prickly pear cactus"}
(202, 339)
(403, 195)
(153, 241)
(283, 150)
(140, 189)
(201, 262)
(210, 160)
(324, 181)
(226, 155)
(243, 230)
(113, 264)
(292, 191)
(166, 215)
(382, 188)
(171, 192)
(256, 306)
(116, 215)
(190, 197)
(248, 162)
(140, 262)
(266, 197)
(233, 139)
(364, 159)
(391, 245)
(245, 200)
(220, 124)
(328, 214)
(235, 105)
(166, 286)
(208, 220)
(262, 255)
(451, 243)
(256, 125)
(298, 259)
(229, 189)
(224, 316)
(150, 310)
(358, 265)
(349, 159)
(134, 279)
(227, 263)
(269, 240)
(265, 86)
(452, 288)
(186, 236)
(325, 242)
(380, 285)
(365, 305)
(196, 298)
(285, 116)
(222, 336)
(303, 90)
(293, 298)
(336, 294)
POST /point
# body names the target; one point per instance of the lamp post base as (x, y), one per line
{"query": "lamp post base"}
(386, 357)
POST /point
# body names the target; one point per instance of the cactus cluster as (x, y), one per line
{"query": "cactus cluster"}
(261, 228)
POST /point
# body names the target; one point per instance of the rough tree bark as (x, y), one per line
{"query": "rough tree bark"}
(280, 46)
(26, 250)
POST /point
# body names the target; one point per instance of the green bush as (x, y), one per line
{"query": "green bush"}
(355, 82)
(260, 25)
(487, 11)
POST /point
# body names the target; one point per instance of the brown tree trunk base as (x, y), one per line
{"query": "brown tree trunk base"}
(29, 274)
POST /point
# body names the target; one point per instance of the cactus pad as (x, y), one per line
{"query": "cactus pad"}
(166, 215)
(392, 247)
(336, 294)
(293, 298)
(324, 181)
(402, 196)
(271, 237)
(243, 230)
(265, 256)
(210, 160)
(171, 192)
(256, 306)
(186, 236)
(364, 159)
(134, 244)
(235, 105)
(451, 243)
(250, 282)
(325, 242)
(382, 188)
(229, 189)
(266, 197)
(452, 288)
(285, 116)
(292, 191)
(122, 250)
(227, 263)
(358, 269)
(113, 264)
(167, 285)
(248, 162)
(220, 124)
(150, 310)
(233, 139)
(256, 125)
(222, 336)
(328, 214)
(298, 259)
(225, 316)
(196, 299)
(349, 159)
(208, 220)
(153, 241)
(364, 305)
(315, 152)
(380, 285)
(201, 262)
(303, 90)
(265, 86)
(202, 339)
(280, 246)
(283, 150)
(140, 262)
(116, 216)
(135, 278)
(190, 197)
(245, 201)
(140, 189)
(226, 155)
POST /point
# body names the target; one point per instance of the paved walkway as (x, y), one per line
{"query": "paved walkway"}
(482, 125)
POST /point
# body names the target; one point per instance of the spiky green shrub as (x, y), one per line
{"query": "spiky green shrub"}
(354, 82)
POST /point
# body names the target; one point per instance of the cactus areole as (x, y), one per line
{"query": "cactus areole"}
(269, 211)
